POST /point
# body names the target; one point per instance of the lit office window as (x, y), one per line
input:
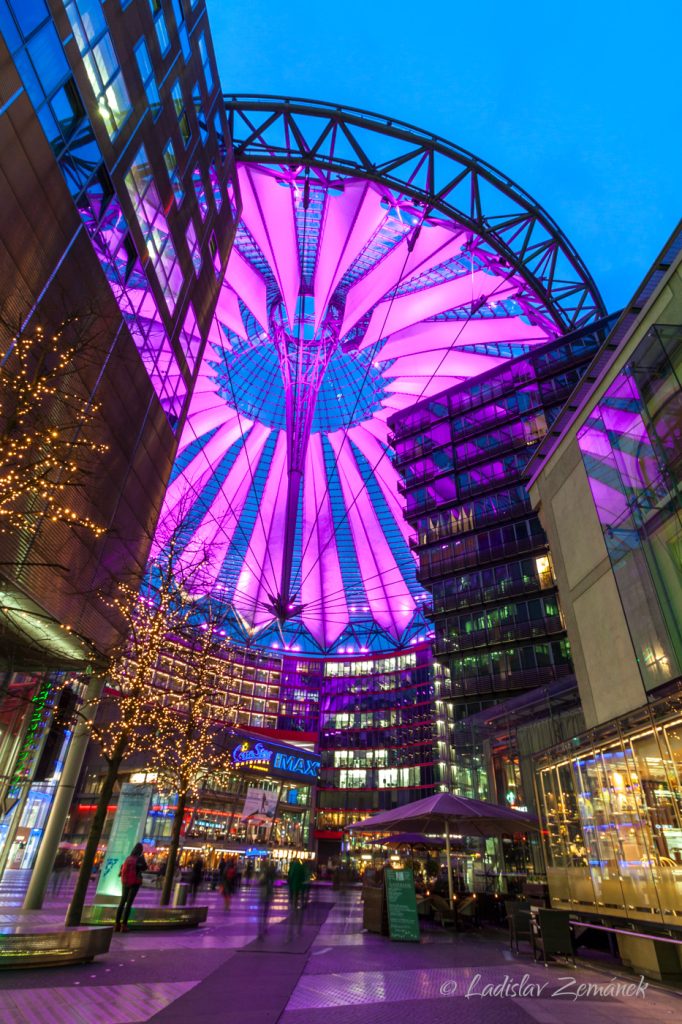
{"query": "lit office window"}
(173, 173)
(181, 113)
(99, 59)
(160, 26)
(154, 226)
(206, 63)
(144, 65)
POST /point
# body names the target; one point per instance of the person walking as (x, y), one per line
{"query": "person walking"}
(266, 882)
(295, 884)
(196, 877)
(131, 880)
(229, 883)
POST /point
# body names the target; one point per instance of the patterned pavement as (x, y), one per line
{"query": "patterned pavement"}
(221, 974)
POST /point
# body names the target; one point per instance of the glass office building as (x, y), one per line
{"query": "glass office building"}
(483, 554)
(611, 799)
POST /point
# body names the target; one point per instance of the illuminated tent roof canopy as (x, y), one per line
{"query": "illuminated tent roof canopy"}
(373, 266)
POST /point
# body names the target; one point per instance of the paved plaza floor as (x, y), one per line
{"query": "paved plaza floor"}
(221, 972)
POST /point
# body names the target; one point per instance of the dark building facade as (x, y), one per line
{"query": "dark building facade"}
(118, 214)
(483, 554)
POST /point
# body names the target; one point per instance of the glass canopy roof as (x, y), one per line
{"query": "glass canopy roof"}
(343, 302)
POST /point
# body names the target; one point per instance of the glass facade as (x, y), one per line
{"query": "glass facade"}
(612, 817)
(101, 64)
(483, 555)
(377, 736)
(631, 446)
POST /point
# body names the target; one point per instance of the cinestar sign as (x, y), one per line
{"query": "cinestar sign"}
(252, 754)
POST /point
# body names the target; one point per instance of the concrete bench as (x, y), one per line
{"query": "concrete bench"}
(146, 918)
(45, 945)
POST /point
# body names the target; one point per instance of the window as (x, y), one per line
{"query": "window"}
(215, 255)
(144, 66)
(215, 185)
(154, 226)
(99, 59)
(173, 174)
(160, 26)
(190, 338)
(198, 183)
(201, 119)
(181, 113)
(206, 64)
(193, 246)
(182, 28)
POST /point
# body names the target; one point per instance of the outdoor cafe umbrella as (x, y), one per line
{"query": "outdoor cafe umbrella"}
(410, 839)
(443, 811)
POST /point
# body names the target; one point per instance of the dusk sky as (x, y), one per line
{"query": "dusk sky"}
(580, 104)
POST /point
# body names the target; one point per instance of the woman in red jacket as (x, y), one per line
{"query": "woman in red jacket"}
(131, 880)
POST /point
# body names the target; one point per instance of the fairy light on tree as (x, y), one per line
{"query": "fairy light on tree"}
(188, 750)
(131, 716)
(46, 438)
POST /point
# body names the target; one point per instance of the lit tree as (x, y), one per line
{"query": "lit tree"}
(131, 714)
(46, 442)
(188, 750)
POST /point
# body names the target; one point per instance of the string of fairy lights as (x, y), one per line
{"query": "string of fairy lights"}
(45, 436)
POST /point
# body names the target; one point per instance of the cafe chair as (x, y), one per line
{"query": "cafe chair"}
(467, 912)
(443, 913)
(518, 919)
(551, 934)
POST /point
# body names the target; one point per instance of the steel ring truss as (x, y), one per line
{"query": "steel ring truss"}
(373, 265)
(437, 175)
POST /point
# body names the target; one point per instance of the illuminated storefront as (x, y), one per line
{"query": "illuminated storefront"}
(612, 818)
(218, 821)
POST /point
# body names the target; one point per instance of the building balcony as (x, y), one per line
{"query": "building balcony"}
(473, 556)
(547, 626)
(485, 596)
(467, 687)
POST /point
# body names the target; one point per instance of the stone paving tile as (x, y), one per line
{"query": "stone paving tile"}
(422, 1011)
(208, 976)
(111, 1004)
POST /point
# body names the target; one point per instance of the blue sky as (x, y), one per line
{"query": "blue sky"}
(580, 103)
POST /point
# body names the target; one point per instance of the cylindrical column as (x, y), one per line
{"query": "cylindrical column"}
(451, 891)
(49, 845)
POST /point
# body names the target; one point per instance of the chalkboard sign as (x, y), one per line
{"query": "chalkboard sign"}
(403, 923)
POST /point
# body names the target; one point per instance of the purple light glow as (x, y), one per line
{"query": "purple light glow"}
(339, 307)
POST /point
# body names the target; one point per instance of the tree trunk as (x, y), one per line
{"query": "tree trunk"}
(173, 849)
(75, 911)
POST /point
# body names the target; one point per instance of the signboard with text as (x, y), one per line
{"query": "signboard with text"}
(259, 756)
(127, 829)
(403, 922)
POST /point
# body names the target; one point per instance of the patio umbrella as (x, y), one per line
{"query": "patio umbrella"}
(410, 839)
(445, 811)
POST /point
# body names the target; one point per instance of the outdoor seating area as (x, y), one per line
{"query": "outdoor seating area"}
(35, 942)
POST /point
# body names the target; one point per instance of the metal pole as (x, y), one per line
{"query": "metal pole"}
(42, 870)
(451, 891)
